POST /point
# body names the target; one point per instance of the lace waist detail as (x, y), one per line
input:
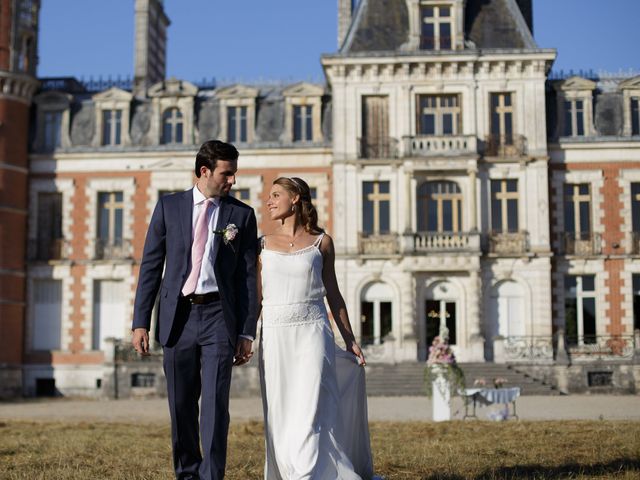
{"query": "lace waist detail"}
(294, 314)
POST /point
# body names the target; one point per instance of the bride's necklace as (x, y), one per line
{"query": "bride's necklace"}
(295, 237)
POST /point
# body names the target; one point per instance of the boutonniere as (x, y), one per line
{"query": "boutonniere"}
(228, 234)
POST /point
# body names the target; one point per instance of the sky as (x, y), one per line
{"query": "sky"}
(282, 40)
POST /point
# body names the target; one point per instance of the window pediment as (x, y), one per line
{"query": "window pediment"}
(237, 91)
(113, 94)
(631, 84)
(303, 89)
(575, 83)
(173, 88)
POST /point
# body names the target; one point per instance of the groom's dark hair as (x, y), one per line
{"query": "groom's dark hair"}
(213, 150)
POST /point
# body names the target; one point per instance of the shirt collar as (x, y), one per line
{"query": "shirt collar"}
(198, 197)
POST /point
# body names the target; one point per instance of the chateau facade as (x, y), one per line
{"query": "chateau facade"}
(468, 193)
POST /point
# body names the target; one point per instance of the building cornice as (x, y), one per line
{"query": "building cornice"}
(17, 87)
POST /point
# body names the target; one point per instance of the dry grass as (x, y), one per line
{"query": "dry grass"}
(449, 451)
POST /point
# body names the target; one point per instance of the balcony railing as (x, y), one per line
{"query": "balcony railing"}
(432, 145)
(528, 348)
(442, 242)
(508, 243)
(117, 249)
(582, 244)
(601, 346)
(371, 244)
(44, 249)
(505, 146)
(385, 147)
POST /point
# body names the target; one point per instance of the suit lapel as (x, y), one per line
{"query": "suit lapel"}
(186, 218)
(224, 214)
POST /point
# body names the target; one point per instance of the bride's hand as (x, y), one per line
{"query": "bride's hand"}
(355, 349)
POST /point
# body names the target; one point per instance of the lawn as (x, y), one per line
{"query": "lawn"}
(449, 451)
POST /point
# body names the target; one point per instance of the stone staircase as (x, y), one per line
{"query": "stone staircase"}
(407, 378)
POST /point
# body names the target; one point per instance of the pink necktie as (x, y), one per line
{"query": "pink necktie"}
(197, 248)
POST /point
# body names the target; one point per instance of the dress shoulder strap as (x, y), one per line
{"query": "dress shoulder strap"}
(318, 240)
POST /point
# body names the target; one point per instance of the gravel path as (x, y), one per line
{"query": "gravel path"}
(572, 407)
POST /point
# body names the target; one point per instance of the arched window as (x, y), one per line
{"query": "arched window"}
(172, 126)
(376, 315)
(439, 207)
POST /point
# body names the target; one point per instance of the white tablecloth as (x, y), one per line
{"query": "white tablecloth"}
(488, 396)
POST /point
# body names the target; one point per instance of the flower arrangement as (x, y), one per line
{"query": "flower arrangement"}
(228, 234)
(498, 382)
(442, 363)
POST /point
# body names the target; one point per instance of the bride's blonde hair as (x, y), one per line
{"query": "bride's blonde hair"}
(305, 211)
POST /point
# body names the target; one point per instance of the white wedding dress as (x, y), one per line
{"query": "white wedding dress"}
(313, 392)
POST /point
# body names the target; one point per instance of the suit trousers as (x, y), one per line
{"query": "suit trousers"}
(197, 363)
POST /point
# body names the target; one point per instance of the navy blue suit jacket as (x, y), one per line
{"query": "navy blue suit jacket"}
(169, 239)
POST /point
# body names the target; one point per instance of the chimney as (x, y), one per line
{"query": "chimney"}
(150, 45)
(345, 11)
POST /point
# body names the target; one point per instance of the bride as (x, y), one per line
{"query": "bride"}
(313, 392)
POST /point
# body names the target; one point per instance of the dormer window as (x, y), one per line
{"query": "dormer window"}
(575, 106)
(236, 124)
(52, 138)
(436, 27)
(302, 123)
(238, 113)
(172, 126)
(111, 127)
(574, 118)
(112, 117)
(635, 116)
(52, 121)
(303, 105)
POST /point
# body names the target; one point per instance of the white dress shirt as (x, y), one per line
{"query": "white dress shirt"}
(207, 280)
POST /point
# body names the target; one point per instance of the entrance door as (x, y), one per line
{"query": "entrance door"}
(441, 315)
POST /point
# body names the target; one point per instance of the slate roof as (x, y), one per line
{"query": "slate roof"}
(383, 25)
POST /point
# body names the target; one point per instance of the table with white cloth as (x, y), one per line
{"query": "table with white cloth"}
(489, 396)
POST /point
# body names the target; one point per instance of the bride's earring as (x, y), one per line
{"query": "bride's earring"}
(293, 208)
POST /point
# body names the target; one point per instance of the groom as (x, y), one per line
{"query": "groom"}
(207, 308)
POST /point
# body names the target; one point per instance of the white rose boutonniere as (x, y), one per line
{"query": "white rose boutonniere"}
(228, 234)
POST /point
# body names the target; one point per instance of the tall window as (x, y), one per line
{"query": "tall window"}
(109, 312)
(52, 130)
(636, 302)
(438, 114)
(436, 28)
(111, 127)
(237, 124)
(580, 309)
(502, 118)
(574, 118)
(110, 220)
(376, 313)
(577, 206)
(47, 315)
(49, 239)
(375, 205)
(302, 123)
(172, 124)
(375, 141)
(504, 206)
(439, 207)
(635, 217)
(635, 116)
(441, 317)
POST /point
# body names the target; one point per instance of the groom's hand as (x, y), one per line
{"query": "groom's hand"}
(243, 351)
(140, 341)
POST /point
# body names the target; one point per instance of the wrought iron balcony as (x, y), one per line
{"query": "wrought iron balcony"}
(508, 243)
(117, 249)
(372, 244)
(48, 249)
(440, 145)
(420, 242)
(384, 147)
(582, 244)
(505, 146)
